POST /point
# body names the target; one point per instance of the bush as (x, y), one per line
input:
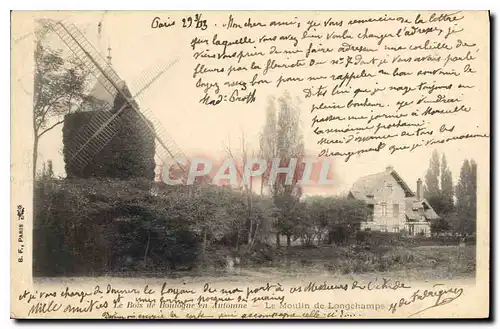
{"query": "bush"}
(376, 238)
(338, 235)
(90, 227)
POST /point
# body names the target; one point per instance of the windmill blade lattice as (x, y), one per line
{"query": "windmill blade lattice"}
(110, 80)
(101, 129)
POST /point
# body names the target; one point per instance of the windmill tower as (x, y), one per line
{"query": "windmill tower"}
(98, 91)
(101, 127)
(99, 97)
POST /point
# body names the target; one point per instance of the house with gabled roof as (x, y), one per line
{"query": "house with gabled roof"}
(393, 206)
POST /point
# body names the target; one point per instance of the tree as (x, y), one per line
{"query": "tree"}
(432, 190)
(319, 210)
(47, 171)
(247, 193)
(431, 187)
(439, 192)
(473, 185)
(58, 87)
(337, 216)
(346, 216)
(466, 190)
(446, 187)
(269, 137)
(282, 139)
(439, 225)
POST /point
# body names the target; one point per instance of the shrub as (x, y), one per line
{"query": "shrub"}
(89, 227)
(376, 238)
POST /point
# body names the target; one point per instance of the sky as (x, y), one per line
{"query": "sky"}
(200, 130)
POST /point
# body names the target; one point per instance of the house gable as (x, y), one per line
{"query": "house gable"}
(401, 182)
(388, 193)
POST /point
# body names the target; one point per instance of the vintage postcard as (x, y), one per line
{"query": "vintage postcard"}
(255, 165)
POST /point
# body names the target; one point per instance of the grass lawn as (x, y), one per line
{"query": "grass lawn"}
(424, 262)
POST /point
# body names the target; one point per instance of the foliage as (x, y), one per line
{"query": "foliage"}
(446, 192)
(282, 139)
(439, 225)
(441, 196)
(111, 226)
(121, 225)
(431, 187)
(376, 238)
(438, 189)
(444, 261)
(335, 217)
(466, 194)
(59, 86)
(47, 171)
(459, 216)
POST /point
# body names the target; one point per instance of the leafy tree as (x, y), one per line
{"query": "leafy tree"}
(306, 228)
(246, 191)
(431, 187)
(446, 187)
(58, 87)
(439, 225)
(282, 139)
(466, 193)
(319, 209)
(347, 214)
(438, 191)
(337, 216)
(47, 171)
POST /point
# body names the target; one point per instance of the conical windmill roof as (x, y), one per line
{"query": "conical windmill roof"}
(102, 94)
(99, 95)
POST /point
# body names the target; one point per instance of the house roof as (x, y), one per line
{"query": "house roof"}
(366, 186)
(415, 209)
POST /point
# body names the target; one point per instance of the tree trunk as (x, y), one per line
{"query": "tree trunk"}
(238, 240)
(146, 251)
(204, 241)
(254, 234)
(278, 240)
(250, 219)
(288, 240)
(250, 228)
(35, 157)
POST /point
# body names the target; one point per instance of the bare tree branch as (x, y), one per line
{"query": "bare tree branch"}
(50, 128)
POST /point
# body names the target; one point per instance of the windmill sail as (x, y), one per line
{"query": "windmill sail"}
(110, 80)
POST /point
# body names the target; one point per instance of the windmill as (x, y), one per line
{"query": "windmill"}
(102, 128)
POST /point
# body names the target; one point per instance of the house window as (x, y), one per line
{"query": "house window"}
(395, 210)
(383, 228)
(395, 228)
(384, 209)
(389, 187)
(370, 212)
(411, 229)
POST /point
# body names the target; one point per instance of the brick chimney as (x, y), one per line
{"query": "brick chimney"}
(389, 169)
(419, 189)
